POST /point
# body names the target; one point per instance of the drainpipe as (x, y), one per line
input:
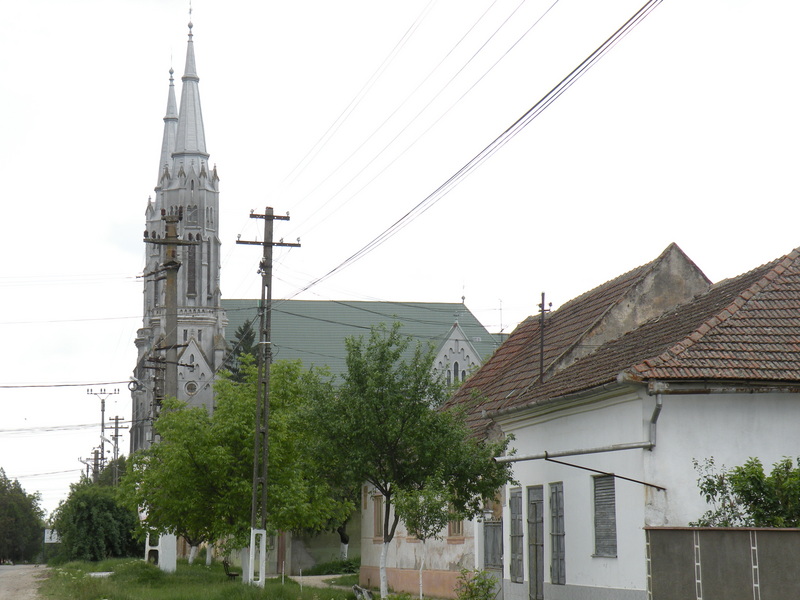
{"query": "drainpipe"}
(648, 445)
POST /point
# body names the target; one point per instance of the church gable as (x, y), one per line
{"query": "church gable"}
(194, 370)
(456, 357)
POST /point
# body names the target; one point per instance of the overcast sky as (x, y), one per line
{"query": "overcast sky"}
(348, 115)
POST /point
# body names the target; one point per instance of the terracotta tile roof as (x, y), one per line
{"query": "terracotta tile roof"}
(743, 328)
(514, 367)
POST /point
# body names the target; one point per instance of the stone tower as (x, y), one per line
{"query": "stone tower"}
(188, 186)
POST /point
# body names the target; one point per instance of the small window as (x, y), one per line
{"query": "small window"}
(605, 516)
(377, 506)
(455, 372)
(185, 335)
(455, 529)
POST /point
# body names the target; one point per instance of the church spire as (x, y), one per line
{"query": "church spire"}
(191, 137)
(170, 133)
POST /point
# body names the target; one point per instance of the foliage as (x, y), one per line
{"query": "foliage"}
(93, 524)
(137, 580)
(106, 476)
(745, 496)
(244, 344)
(426, 511)
(197, 482)
(20, 521)
(381, 428)
(335, 567)
(476, 585)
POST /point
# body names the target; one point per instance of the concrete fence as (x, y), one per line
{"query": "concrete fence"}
(734, 564)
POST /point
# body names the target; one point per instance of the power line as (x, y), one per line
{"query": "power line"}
(16, 386)
(510, 132)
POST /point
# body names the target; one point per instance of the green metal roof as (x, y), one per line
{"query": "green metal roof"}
(314, 331)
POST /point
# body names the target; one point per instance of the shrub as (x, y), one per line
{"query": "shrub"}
(476, 585)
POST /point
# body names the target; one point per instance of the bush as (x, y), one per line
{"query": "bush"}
(335, 567)
(476, 585)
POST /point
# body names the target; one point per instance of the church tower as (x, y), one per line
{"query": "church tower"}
(187, 187)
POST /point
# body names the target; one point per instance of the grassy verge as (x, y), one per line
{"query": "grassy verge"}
(133, 579)
(346, 580)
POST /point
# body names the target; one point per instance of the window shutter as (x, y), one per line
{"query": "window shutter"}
(515, 502)
(605, 516)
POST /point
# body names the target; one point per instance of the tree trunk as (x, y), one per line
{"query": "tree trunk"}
(421, 567)
(384, 580)
(344, 541)
(209, 554)
(192, 554)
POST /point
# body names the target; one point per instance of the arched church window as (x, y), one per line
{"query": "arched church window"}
(191, 215)
(455, 372)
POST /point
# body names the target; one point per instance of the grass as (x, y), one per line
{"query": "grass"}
(134, 579)
(348, 580)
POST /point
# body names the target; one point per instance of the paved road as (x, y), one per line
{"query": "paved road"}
(20, 582)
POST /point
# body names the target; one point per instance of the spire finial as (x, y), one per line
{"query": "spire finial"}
(190, 18)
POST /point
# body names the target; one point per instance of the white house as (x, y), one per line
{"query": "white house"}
(605, 433)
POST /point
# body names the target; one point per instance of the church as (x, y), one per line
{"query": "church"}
(187, 185)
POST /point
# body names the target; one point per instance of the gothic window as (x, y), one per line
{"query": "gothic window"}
(191, 215)
(455, 372)
(191, 274)
(208, 277)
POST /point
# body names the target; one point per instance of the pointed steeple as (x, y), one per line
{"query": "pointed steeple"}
(170, 133)
(191, 137)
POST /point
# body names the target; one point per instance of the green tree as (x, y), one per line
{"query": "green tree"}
(425, 512)
(94, 525)
(745, 496)
(381, 428)
(244, 343)
(21, 521)
(197, 481)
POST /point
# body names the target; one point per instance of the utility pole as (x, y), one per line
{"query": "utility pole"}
(167, 367)
(115, 437)
(258, 509)
(542, 311)
(103, 395)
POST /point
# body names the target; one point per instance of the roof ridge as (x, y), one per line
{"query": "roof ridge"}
(643, 271)
(778, 267)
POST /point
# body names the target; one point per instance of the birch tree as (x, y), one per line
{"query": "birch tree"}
(381, 428)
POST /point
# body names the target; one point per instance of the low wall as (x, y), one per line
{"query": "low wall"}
(435, 584)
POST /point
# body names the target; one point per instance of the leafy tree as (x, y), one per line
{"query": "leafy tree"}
(197, 482)
(21, 521)
(425, 512)
(94, 525)
(381, 429)
(244, 343)
(745, 496)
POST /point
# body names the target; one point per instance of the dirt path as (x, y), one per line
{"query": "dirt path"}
(20, 582)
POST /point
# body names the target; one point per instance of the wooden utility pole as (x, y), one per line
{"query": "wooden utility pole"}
(258, 508)
(170, 345)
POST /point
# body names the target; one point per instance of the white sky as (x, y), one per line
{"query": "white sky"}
(684, 132)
